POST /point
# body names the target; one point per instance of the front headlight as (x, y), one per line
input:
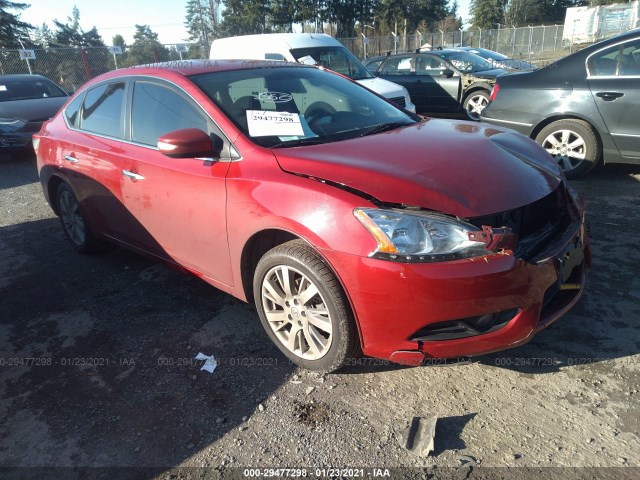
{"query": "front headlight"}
(419, 237)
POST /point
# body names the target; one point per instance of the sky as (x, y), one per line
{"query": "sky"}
(165, 17)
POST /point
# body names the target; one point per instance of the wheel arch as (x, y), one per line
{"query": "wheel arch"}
(263, 241)
(52, 188)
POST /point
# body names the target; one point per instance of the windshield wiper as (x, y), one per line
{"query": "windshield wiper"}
(299, 142)
(384, 127)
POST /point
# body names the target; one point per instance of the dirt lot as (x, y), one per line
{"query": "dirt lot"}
(97, 370)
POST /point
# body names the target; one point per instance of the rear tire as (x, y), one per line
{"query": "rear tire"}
(573, 144)
(73, 222)
(475, 103)
(303, 308)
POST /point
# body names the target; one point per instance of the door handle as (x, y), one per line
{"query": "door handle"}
(129, 174)
(71, 159)
(609, 96)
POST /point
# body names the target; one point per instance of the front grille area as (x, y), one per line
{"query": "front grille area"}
(536, 224)
(399, 101)
(464, 327)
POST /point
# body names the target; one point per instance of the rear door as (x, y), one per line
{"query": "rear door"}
(614, 80)
(445, 93)
(91, 156)
(400, 69)
(178, 205)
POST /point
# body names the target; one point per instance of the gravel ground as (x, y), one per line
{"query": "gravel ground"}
(111, 380)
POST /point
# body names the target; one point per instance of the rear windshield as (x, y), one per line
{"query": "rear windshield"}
(338, 59)
(28, 89)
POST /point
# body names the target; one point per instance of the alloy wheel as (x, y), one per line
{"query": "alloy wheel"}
(296, 312)
(567, 147)
(71, 218)
(475, 105)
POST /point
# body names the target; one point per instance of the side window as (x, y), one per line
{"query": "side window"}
(400, 65)
(72, 112)
(157, 110)
(374, 65)
(102, 110)
(620, 60)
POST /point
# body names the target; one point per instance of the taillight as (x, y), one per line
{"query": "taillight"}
(36, 143)
(494, 92)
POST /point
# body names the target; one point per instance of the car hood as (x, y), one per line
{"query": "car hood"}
(34, 110)
(384, 87)
(459, 168)
(493, 73)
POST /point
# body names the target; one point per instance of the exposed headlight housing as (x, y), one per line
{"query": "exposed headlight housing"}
(419, 237)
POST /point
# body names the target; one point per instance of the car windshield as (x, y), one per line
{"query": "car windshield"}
(490, 54)
(289, 105)
(28, 89)
(338, 59)
(467, 62)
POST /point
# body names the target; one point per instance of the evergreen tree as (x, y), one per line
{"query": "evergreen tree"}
(42, 36)
(12, 29)
(70, 34)
(202, 21)
(146, 48)
(488, 14)
(243, 17)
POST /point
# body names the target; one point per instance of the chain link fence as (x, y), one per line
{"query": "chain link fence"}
(522, 42)
(71, 67)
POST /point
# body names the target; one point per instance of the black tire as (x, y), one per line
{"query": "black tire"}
(326, 351)
(475, 102)
(576, 161)
(73, 222)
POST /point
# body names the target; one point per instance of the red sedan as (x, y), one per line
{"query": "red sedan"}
(352, 224)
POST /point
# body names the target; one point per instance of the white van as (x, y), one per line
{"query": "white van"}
(309, 48)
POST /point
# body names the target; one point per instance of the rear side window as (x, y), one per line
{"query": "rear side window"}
(158, 110)
(620, 60)
(102, 110)
(72, 112)
(400, 65)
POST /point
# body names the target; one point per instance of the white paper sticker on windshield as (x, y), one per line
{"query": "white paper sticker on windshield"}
(307, 60)
(3, 88)
(263, 123)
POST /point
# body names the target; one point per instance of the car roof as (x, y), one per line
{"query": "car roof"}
(187, 68)
(22, 76)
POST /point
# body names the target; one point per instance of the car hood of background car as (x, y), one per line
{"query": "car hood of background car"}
(32, 110)
(493, 73)
(459, 168)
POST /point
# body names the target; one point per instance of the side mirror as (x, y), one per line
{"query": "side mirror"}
(189, 143)
(446, 73)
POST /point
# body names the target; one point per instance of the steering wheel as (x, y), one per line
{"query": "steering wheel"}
(319, 113)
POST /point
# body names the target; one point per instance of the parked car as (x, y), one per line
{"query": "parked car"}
(352, 224)
(498, 60)
(582, 109)
(310, 49)
(440, 80)
(25, 102)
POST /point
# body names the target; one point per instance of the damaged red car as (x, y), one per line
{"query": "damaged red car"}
(356, 227)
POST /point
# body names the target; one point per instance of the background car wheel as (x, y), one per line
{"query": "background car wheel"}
(573, 144)
(475, 102)
(73, 223)
(303, 308)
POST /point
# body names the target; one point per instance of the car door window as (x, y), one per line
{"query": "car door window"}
(621, 60)
(72, 112)
(102, 110)
(428, 65)
(157, 110)
(400, 65)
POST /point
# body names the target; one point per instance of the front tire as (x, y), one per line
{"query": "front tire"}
(475, 103)
(303, 308)
(573, 144)
(73, 222)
